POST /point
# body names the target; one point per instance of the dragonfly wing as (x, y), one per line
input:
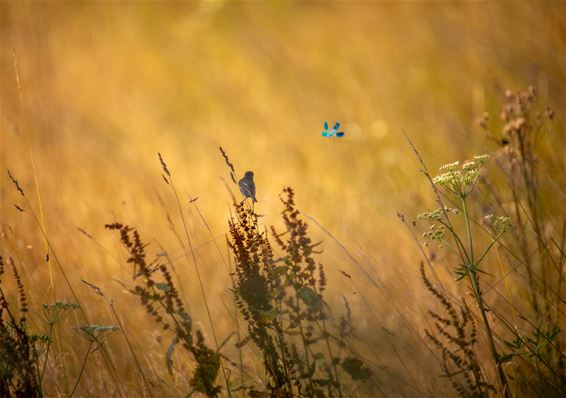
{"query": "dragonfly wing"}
(325, 125)
(336, 126)
(325, 134)
(340, 134)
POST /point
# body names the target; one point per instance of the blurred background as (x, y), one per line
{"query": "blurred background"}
(106, 86)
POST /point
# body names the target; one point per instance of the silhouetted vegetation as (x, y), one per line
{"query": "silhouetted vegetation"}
(277, 268)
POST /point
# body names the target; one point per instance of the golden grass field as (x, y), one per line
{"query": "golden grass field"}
(105, 86)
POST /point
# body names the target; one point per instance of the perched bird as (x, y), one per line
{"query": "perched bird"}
(247, 185)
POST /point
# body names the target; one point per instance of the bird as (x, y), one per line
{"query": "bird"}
(247, 186)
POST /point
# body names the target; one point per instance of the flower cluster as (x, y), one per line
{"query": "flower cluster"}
(437, 214)
(53, 312)
(96, 333)
(499, 225)
(461, 180)
(435, 233)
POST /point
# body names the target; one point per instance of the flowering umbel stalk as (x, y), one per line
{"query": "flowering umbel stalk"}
(459, 181)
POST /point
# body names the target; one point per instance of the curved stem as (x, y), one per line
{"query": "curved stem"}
(461, 249)
(505, 393)
(145, 382)
(82, 369)
(46, 352)
(489, 247)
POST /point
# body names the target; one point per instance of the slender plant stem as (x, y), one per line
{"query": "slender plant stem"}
(281, 340)
(461, 248)
(46, 352)
(326, 337)
(469, 231)
(82, 369)
(131, 348)
(305, 346)
(472, 275)
(505, 393)
(238, 334)
(67, 281)
(32, 159)
(488, 248)
(200, 283)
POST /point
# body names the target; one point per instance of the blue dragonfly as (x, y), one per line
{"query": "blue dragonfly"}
(334, 132)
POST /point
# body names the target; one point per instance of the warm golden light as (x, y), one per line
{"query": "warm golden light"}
(91, 92)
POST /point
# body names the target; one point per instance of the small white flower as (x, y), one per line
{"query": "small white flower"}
(460, 181)
(500, 224)
(449, 166)
(481, 159)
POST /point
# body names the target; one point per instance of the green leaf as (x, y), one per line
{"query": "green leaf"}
(169, 355)
(356, 368)
(310, 298)
(515, 344)
(461, 273)
(163, 286)
(269, 316)
(184, 315)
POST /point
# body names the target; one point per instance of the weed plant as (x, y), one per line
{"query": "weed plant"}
(19, 367)
(161, 299)
(528, 233)
(281, 297)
